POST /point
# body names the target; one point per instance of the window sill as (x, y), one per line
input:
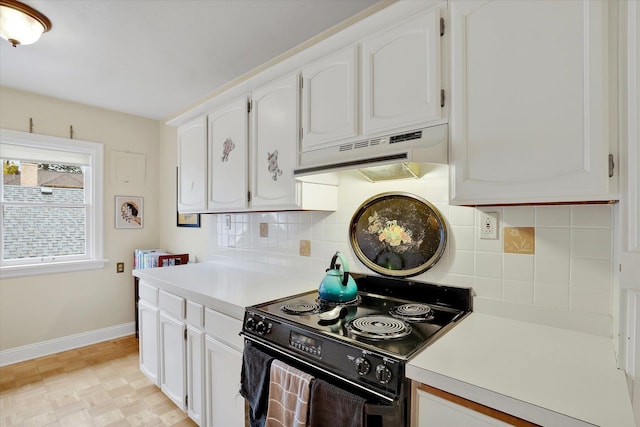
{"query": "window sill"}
(51, 268)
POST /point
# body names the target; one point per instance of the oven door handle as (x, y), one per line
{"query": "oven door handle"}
(262, 343)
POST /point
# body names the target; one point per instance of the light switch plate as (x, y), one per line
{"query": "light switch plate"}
(489, 225)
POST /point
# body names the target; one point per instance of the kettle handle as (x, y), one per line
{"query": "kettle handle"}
(345, 267)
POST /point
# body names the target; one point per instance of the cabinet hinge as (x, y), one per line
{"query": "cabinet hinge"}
(186, 401)
(249, 196)
(248, 106)
(300, 136)
(301, 83)
(185, 334)
(611, 165)
(441, 27)
(441, 98)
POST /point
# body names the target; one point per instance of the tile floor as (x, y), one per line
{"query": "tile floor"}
(98, 385)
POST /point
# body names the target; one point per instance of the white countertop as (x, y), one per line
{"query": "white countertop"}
(229, 286)
(550, 376)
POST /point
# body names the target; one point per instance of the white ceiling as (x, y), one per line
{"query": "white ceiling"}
(152, 58)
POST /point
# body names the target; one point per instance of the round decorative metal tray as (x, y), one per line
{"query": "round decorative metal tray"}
(398, 234)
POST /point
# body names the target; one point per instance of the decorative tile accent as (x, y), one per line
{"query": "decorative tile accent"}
(305, 247)
(519, 240)
(264, 229)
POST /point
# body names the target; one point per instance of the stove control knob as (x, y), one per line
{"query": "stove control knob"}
(383, 374)
(263, 328)
(363, 366)
(250, 324)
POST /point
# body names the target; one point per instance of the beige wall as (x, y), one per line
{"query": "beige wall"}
(39, 308)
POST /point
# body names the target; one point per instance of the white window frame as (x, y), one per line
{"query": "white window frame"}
(94, 205)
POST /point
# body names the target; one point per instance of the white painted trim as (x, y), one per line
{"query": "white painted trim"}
(8, 272)
(633, 131)
(93, 258)
(633, 317)
(45, 348)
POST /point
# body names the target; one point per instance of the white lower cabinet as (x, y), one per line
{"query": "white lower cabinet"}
(173, 359)
(432, 407)
(148, 317)
(194, 354)
(225, 406)
(223, 362)
(195, 375)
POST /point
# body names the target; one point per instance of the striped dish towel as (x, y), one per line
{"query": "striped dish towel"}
(288, 396)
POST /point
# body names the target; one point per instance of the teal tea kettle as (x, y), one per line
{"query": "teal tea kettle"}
(338, 285)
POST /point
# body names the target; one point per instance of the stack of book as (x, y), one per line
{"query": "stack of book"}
(152, 258)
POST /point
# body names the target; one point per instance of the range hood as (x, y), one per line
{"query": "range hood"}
(425, 145)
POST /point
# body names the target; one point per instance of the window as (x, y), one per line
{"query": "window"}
(51, 199)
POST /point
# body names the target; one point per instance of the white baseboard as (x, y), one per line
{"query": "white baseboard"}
(45, 348)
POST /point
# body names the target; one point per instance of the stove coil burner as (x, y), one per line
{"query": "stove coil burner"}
(379, 327)
(412, 312)
(300, 308)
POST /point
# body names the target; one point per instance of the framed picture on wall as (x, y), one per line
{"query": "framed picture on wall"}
(188, 220)
(129, 212)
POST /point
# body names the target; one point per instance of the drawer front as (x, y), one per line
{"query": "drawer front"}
(171, 304)
(148, 293)
(195, 314)
(224, 328)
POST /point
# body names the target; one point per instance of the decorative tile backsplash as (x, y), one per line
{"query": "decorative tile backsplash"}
(556, 258)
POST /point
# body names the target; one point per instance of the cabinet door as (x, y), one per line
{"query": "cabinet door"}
(433, 411)
(274, 137)
(148, 318)
(329, 100)
(529, 112)
(225, 406)
(192, 166)
(401, 75)
(195, 374)
(172, 359)
(229, 157)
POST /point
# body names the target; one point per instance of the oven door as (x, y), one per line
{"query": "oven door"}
(379, 410)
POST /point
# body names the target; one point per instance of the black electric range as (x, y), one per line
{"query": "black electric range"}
(364, 342)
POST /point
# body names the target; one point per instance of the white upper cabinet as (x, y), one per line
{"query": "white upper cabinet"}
(401, 75)
(274, 137)
(530, 112)
(329, 111)
(388, 82)
(192, 166)
(229, 157)
(257, 173)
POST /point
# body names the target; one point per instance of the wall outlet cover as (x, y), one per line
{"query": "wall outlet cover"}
(489, 225)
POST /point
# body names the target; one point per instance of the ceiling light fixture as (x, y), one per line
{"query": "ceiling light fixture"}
(20, 23)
